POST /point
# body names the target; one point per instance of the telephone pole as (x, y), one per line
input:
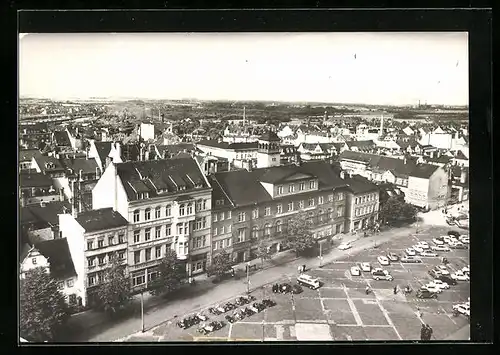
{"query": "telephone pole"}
(142, 311)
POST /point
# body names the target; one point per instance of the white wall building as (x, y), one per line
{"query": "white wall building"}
(147, 131)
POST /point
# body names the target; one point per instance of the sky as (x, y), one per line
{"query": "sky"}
(371, 68)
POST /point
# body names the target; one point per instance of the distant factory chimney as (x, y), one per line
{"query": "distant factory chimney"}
(244, 115)
(381, 132)
(325, 117)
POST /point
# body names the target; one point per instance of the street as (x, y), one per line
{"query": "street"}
(340, 309)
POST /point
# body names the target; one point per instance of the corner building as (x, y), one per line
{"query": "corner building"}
(167, 204)
(247, 205)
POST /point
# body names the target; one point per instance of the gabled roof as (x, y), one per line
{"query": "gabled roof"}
(443, 159)
(47, 214)
(101, 219)
(103, 149)
(225, 145)
(269, 136)
(244, 187)
(359, 184)
(461, 155)
(173, 173)
(34, 180)
(28, 154)
(47, 163)
(380, 163)
(360, 144)
(87, 166)
(62, 139)
(59, 257)
(424, 171)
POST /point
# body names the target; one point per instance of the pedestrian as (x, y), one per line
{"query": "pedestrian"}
(303, 268)
(428, 332)
(395, 289)
(423, 332)
(300, 269)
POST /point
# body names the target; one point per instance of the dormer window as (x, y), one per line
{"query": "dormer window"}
(219, 202)
(279, 190)
(312, 184)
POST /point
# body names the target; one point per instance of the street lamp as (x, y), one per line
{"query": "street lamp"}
(320, 254)
(248, 277)
(142, 311)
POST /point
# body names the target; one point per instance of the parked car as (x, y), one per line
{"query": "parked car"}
(442, 269)
(345, 246)
(440, 248)
(459, 245)
(454, 233)
(426, 294)
(393, 257)
(365, 267)
(423, 245)
(462, 308)
(410, 252)
(308, 281)
(432, 288)
(439, 283)
(437, 241)
(466, 269)
(296, 289)
(464, 240)
(383, 260)
(379, 274)
(355, 271)
(460, 276)
(435, 273)
(417, 248)
(447, 279)
(410, 259)
(428, 253)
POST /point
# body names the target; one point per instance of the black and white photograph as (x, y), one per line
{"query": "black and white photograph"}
(243, 186)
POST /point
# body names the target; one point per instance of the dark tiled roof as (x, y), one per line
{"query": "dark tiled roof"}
(424, 171)
(34, 180)
(359, 184)
(59, 257)
(61, 138)
(86, 165)
(101, 219)
(361, 144)
(28, 154)
(47, 214)
(171, 173)
(103, 149)
(269, 136)
(461, 155)
(225, 145)
(441, 159)
(244, 187)
(405, 144)
(47, 163)
(380, 163)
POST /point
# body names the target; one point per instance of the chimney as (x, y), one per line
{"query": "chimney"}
(42, 203)
(61, 194)
(463, 176)
(97, 172)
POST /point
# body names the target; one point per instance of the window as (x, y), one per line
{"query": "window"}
(267, 229)
(182, 210)
(168, 247)
(168, 210)
(340, 211)
(312, 184)
(255, 232)
(279, 191)
(91, 280)
(310, 202)
(290, 206)
(90, 262)
(147, 214)
(190, 209)
(291, 188)
(320, 215)
(228, 214)
(330, 213)
(136, 216)
(147, 234)
(222, 230)
(197, 224)
(199, 242)
(138, 280)
(100, 243)
(111, 240)
(241, 217)
(204, 222)
(219, 202)
(301, 204)
(356, 201)
(320, 200)
(229, 228)
(102, 260)
(70, 283)
(158, 212)
(340, 196)
(279, 226)
(121, 255)
(157, 232)
(301, 186)
(267, 211)
(148, 254)
(121, 238)
(241, 235)
(168, 230)
(215, 230)
(186, 228)
(214, 217)
(199, 205)
(255, 213)
(330, 198)
(137, 257)
(180, 228)
(279, 209)
(158, 252)
(221, 216)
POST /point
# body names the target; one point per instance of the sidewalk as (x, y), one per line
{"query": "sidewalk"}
(158, 310)
(461, 334)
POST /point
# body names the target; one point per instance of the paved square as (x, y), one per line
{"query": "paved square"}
(370, 314)
(309, 309)
(332, 293)
(351, 333)
(308, 331)
(247, 331)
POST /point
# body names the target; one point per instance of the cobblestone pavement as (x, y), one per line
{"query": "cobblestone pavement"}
(340, 309)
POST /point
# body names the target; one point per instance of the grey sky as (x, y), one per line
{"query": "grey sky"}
(372, 68)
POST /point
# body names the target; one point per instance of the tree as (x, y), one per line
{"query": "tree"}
(395, 210)
(43, 308)
(169, 275)
(221, 264)
(298, 234)
(263, 252)
(114, 293)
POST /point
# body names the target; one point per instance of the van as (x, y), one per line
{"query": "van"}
(308, 281)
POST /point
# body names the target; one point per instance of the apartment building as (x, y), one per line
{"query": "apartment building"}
(167, 204)
(93, 238)
(235, 153)
(363, 202)
(260, 202)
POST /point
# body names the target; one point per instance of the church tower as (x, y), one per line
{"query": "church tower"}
(268, 153)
